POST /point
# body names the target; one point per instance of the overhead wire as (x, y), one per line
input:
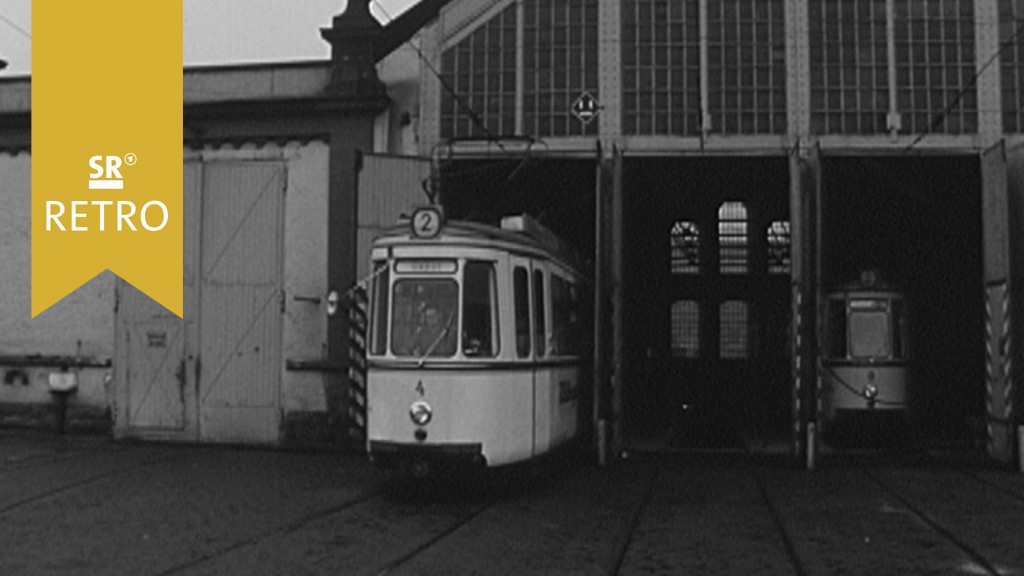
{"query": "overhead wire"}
(940, 116)
(474, 116)
(461, 102)
(932, 126)
(478, 120)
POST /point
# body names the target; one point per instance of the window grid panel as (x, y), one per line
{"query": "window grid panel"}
(779, 247)
(684, 244)
(733, 331)
(685, 317)
(935, 63)
(1011, 19)
(747, 66)
(849, 66)
(481, 69)
(661, 67)
(559, 65)
(732, 238)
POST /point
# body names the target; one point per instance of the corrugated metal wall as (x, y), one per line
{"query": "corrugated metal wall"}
(389, 186)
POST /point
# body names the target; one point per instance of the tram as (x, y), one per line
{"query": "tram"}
(865, 357)
(476, 344)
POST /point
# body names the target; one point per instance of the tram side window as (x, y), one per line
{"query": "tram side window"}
(479, 313)
(521, 288)
(564, 334)
(379, 313)
(836, 320)
(425, 317)
(539, 328)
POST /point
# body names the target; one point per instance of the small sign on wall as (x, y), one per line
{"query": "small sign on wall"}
(63, 381)
(156, 339)
(585, 108)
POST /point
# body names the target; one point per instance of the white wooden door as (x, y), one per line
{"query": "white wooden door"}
(240, 301)
(157, 395)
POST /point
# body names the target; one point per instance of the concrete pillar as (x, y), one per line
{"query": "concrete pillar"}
(358, 96)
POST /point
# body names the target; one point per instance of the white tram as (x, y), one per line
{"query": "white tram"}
(476, 344)
(865, 360)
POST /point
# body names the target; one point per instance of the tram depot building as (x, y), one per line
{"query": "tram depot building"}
(719, 163)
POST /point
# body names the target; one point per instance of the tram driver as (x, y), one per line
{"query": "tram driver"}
(434, 336)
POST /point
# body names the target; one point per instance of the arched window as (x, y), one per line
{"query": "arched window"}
(779, 249)
(685, 244)
(732, 238)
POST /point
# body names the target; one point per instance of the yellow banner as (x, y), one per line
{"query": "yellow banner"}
(106, 147)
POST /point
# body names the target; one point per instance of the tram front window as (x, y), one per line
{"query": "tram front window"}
(424, 318)
(869, 334)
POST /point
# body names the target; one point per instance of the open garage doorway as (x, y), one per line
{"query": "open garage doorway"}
(559, 193)
(917, 222)
(707, 301)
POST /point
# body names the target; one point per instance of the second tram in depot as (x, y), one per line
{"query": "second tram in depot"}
(475, 348)
(865, 357)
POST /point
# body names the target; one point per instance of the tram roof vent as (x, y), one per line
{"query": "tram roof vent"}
(526, 225)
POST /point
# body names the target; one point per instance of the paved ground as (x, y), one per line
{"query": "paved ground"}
(87, 505)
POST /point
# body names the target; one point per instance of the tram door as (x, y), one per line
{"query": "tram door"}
(728, 303)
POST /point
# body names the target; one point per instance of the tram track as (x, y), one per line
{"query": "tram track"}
(965, 470)
(634, 519)
(6, 509)
(775, 514)
(969, 471)
(780, 527)
(1018, 498)
(353, 512)
(277, 531)
(433, 540)
(938, 527)
(14, 464)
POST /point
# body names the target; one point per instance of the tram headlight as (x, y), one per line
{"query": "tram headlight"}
(420, 413)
